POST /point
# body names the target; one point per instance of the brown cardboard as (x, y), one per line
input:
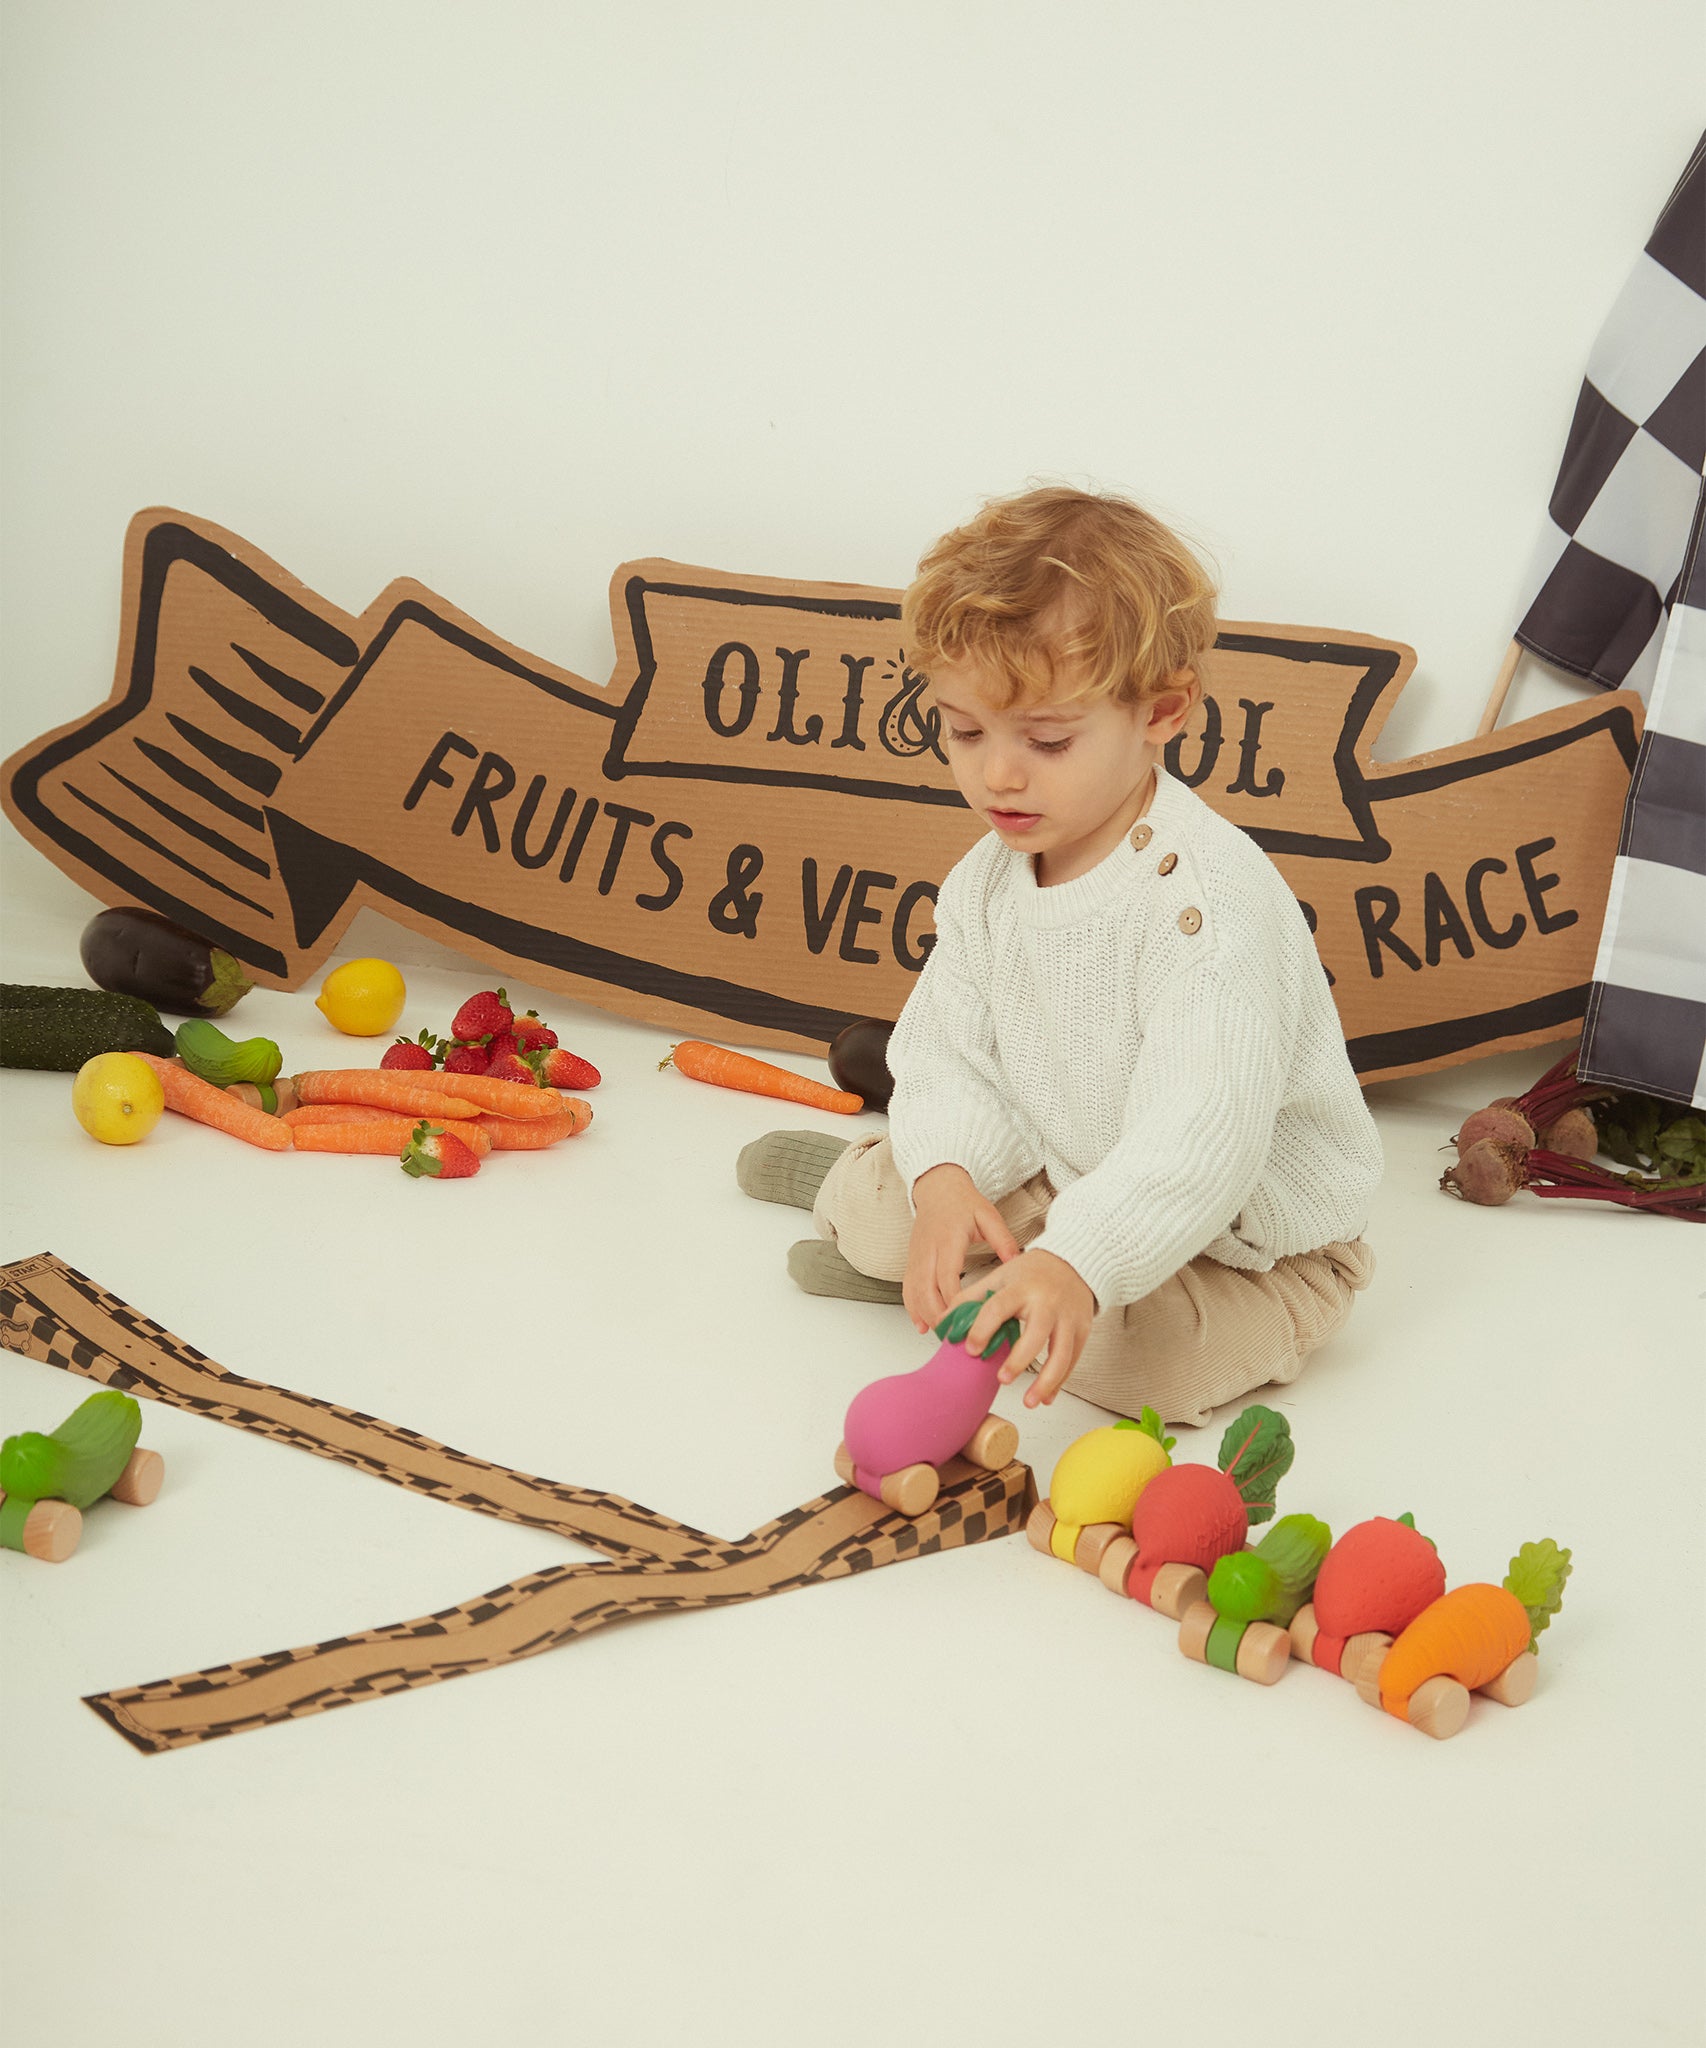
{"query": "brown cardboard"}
(50, 1311)
(741, 834)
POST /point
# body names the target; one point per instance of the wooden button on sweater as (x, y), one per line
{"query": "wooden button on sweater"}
(1190, 921)
(1140, 837)
(1169, 861)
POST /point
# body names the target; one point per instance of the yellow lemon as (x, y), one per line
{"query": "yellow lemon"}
(117, 1097)
(363, 998)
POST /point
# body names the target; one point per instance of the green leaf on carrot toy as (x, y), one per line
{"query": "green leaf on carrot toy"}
(1256, 1454)
(1536, 1577)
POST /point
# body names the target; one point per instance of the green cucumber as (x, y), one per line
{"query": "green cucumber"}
(206, 1051)
(56, 1030)
(80, 1460)
(1271, 1582)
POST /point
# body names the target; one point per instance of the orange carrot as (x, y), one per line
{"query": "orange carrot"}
(387, 1136)
(725, 1069)
(531, 1133)
(374, 1088)
(502, 1098)
(192, 1097)
(1470, 1634)
(337, 1113)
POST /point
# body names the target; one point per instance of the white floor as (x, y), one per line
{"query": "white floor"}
(967, 1798)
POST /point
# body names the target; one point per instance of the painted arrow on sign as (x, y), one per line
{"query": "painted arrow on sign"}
(743, 832)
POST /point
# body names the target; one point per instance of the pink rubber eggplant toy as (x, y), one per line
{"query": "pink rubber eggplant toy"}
(901, 1430)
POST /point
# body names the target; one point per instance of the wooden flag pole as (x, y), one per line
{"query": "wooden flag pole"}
(1500, 690)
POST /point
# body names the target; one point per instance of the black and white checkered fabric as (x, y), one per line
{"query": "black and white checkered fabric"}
(1604, 574)
(1646, 1020)
(1619, 597)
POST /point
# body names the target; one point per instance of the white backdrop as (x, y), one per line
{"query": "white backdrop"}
(498, 296)
(501, 296)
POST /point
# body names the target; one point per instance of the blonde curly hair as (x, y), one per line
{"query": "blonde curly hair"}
(1061, 590)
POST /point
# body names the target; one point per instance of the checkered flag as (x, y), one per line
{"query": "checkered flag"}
(1618, 597)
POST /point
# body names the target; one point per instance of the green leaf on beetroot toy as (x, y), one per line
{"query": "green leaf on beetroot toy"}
(1536, 1576)
(1256, 1454)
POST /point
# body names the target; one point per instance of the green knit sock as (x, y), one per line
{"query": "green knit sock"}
(816, 1265)
(788, 1166)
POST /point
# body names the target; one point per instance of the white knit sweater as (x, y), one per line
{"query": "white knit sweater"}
(1162, 1044)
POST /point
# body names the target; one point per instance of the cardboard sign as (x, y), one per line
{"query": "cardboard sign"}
(50, 1311)
(743, 834)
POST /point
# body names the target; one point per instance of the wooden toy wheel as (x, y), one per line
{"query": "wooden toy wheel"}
(993, 1443)
(1516, 1682)
(1365, 1676)
(139, 1482)
(1092, 1546)
(52, 1530)
(1439, 1707)
(1264, 1653)
(1303, 1633)
(1195, 1627)
(1040, 1528)
(844, 1465)
(1370, 1646)
(1116, 1563)
(1177, 1588)
(912, 1490)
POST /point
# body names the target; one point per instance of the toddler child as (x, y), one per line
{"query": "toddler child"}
(1122, 1098)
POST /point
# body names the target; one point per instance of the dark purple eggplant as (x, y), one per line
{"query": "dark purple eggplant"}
(857, 1059)
(140, 953)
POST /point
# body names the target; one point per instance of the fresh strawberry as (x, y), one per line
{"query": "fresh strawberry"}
(512, 1067)
(433, 1153)
(560, 1068)
(501, 1043)
(482, 1015)
(412, 1055)
(532, 1033)
(466, 1059)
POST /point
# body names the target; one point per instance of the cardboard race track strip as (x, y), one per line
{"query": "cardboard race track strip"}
(51, 1312)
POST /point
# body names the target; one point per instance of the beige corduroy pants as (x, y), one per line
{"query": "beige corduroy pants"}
(1207, 1336)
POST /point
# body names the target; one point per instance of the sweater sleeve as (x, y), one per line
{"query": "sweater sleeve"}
(950, 1097)
(1198, 1124)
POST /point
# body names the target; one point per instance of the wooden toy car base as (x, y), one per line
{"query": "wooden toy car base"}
(1255, 1650)
(1095, 1539)
(912, 1490)
(50, 1312)
(53, 1528)
(1439, 1706)
(1171, 1588)
(1308, 1644)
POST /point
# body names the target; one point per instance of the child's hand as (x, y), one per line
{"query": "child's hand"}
(951, 1216)
(1054, 1308)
